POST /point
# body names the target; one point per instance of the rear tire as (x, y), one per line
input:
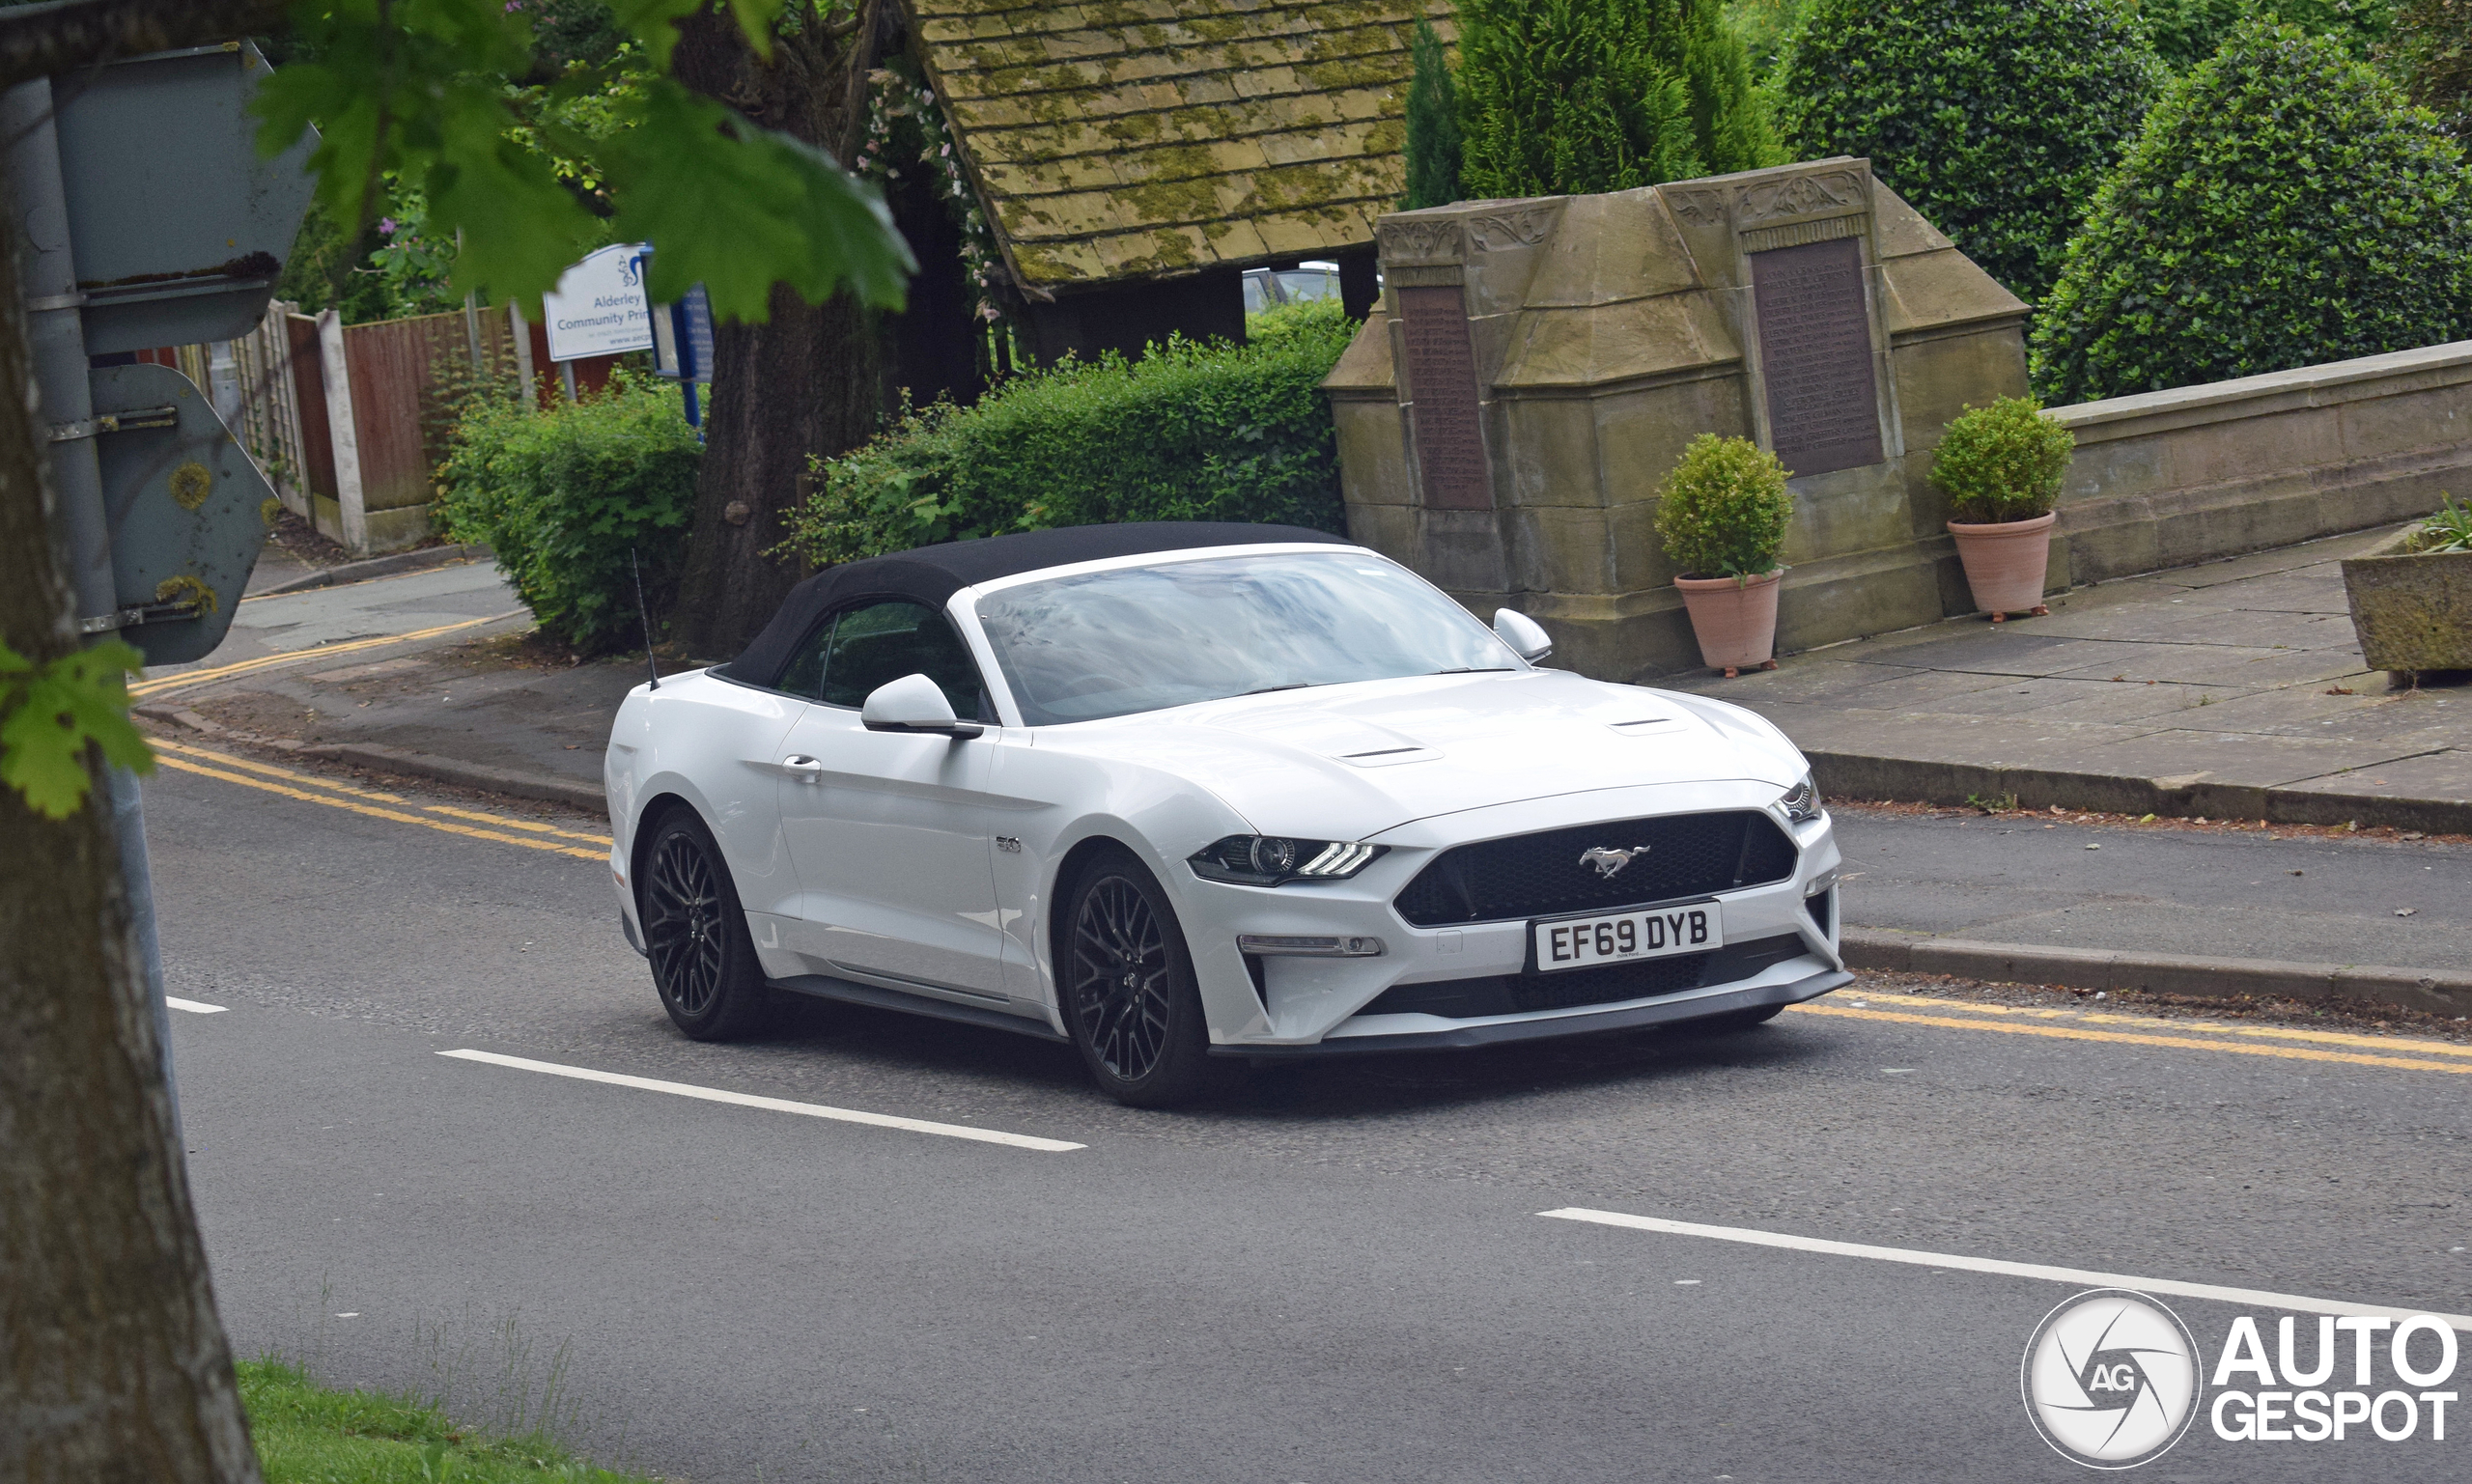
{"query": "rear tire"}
(704, 964)
(1131, 1000)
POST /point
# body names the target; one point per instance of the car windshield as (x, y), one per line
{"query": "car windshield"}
(1141, 638)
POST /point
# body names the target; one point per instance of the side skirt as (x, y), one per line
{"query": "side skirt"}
(852, 993)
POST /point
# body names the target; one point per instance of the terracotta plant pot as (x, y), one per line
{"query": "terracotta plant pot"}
(2005, 563)
(1734, 620)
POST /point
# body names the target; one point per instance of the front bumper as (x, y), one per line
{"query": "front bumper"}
(1269, 1005)
(1592, 1021)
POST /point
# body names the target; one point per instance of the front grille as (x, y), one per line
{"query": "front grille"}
(1541, 875)
(1466, 999)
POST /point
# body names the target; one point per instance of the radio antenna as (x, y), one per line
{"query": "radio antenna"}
(646, 615)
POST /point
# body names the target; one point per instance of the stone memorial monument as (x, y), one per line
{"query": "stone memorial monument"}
(1535, 367)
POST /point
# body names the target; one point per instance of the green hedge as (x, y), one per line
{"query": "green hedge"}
(563, 494)
(2284, 208)
(1188, 432)
(1995, 119)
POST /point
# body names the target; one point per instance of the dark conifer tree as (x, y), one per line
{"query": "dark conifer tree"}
(1568, 97)
(1433, 124)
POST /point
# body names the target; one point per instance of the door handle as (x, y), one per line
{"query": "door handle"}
(804, 769)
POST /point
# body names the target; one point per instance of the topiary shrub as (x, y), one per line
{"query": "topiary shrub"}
(1995, 119)
(2284, 208)
(1188, 432)
(1722, 512)
(2002, 462)
(1571, 97)
(564, 494)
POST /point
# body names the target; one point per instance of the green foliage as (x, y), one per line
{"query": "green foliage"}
(1760, 27)
(2187, 32)
(1433, 124)
(1570, 96)
(1995, 119)
(2002, 462)
(1188, 432)
(2284, 208)
(1722, 510)
(49, 713)
(2449, 530)
(2430, 51)
(564, 494)
(416, 91)
(306, 1434)
(328, 268)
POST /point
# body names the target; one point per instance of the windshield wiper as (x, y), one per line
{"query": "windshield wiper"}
(1475, 669)
(1294, 684)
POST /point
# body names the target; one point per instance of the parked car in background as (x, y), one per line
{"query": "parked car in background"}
(1271, 288)
(1175, 790)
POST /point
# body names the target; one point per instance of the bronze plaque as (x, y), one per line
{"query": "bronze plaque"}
(1441, 382)
(1815, 356)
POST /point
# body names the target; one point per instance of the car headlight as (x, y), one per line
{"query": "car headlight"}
(1801, 802)
(1274, 861)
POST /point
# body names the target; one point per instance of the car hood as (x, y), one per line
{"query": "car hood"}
(1348, 762)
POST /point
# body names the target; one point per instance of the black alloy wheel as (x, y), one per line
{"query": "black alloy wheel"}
(703, 962)
(1131, 1000)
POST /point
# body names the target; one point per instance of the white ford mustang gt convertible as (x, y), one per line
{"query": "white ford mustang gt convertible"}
(1175, 790)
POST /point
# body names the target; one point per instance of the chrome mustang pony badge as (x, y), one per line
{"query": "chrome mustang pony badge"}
(1609, 862)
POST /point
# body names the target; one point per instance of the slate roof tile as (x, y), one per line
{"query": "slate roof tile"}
(1126, 138)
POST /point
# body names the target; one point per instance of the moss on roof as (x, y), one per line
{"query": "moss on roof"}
(1126, 138)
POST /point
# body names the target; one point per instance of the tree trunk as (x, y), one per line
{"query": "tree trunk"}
(809, 381)
(113, 1365)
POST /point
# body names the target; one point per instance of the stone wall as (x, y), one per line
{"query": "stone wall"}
(2164, 479)
(1558, 352)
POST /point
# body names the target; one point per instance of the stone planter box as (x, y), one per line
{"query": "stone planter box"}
(2412, 613)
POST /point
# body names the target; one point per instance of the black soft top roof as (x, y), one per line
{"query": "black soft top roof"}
(933, 574)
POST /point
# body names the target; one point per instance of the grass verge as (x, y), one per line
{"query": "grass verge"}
(307, 1434)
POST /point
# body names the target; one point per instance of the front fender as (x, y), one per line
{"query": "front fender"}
(710, 744)
(1055, 804)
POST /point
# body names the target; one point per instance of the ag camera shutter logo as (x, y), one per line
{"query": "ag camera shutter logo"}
(2111, 1379)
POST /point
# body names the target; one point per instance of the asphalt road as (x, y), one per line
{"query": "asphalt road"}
(1330, 1274)
(2026, 878)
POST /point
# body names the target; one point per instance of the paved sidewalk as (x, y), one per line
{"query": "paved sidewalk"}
(2234, 689)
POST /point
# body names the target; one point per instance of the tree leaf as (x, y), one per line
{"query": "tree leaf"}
(47, 716)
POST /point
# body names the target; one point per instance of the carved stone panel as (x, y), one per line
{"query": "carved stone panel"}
(1815, 356)
(1442, 382)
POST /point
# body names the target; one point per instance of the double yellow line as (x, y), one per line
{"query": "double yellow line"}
(2288, 1043)
(377, 804)
(183, 679)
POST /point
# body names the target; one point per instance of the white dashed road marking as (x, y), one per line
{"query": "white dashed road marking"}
(773, 1104)
(2252, 1297)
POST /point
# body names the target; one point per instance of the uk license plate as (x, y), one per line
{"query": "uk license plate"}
(1652, 933)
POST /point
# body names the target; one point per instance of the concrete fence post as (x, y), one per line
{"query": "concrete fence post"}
(342, 433)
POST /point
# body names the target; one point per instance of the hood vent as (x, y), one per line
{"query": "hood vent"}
(1388, 757)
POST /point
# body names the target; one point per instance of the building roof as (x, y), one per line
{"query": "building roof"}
(1131, 138)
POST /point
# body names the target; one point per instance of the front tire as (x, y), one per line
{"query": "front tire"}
(704, 964)
(1131, 1000)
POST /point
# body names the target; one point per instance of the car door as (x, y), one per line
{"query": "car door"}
(888, 831)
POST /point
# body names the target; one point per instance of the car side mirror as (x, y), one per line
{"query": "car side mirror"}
(913, 703)
(1526, 636)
